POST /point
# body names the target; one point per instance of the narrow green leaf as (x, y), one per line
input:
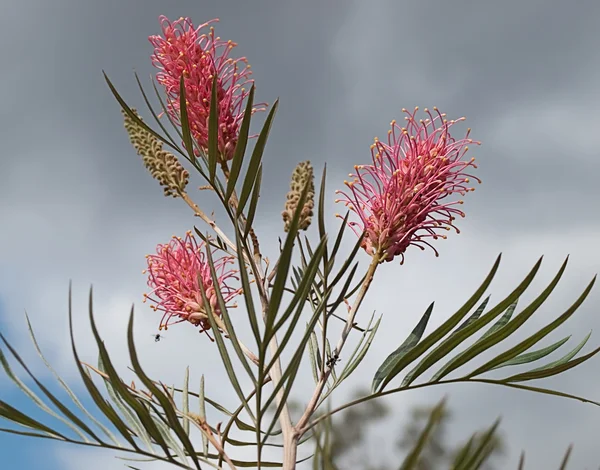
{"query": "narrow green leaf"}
(504, 319)
(283, 267)
(131, 114)
(409, 343)
(321, 217)
(533, 339)
(548, 372)
(213, 131)
(202, 414)
(355, 362)
(411, 460)
(453, 341)
(223, 351)
(533, 355)
(134, 423)
(14, 415)
(253, 202)
(185, 123)
(66, 388)
(73, 424)
(246, 289)
(483, 449)
(565, 460)
(240, 147)
(185, 399)
(172, 142)
(99, 400)
(476, 314)
(255, 160)
(313, 348)
(227, 319)
(446, 327)
(566, 357)
(164, 401)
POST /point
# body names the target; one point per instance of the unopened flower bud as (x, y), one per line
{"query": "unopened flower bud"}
(163, 165)
(303, 174)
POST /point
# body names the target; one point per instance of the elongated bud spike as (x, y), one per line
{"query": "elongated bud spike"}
(163, 165)
(303, 174)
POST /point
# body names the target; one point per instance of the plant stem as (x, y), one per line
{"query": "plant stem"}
(312, 405)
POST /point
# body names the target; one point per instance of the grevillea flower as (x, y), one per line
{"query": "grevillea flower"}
(183, 51)
(401, 198)
(175, 274)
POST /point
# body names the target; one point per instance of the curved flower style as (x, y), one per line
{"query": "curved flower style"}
(400, 197)
(174, 274)
(183, 51)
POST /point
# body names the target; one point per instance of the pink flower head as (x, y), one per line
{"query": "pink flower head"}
(401, 198)
(174, 274)
(183, 51)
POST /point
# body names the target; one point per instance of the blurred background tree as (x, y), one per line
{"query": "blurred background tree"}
(422, 442)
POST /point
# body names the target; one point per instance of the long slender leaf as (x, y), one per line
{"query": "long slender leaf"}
(533, 355)
(213, 131)
(453, 341)
(567, 357)
(255, 160)
(409, 343)
(446, 327)
(253, 202)
(188, 143)
(533, 339)
(240, 146)
(164, 401)
(501, 322)
(66, 388)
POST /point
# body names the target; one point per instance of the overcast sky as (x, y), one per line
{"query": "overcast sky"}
(77, 204)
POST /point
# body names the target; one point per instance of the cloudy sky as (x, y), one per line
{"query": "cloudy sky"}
(77, 204)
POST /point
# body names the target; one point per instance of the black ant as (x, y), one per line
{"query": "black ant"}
(332, 360)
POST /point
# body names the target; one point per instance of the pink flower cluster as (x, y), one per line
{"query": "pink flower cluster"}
(183, 51)
(401, 198)
(175, 275)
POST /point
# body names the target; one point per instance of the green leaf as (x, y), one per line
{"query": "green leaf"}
(566, 357)
(185, 400)
(453, 341)
(202, 414)
(533, 355)
(66, 388)
(14, 415)
(134, 423)
(409, 343)
(253, 202)
(172, 142)
(131, 114)
(185, 123)
(548, 372)
(483, 449)
(354, 362)
(283, 267)
(255, 160)
(412, 459)
(240, 147)
(444, 329)
(74, 423)
(565, 461)
(321, 216)
(213, 130)
(520, 320)
(476, 314)
(504, 319)
(315, 359)
(226, 318)
(223, 350)
(99, 400)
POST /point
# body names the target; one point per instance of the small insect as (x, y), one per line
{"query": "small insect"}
(158, 337)
(332, 360)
